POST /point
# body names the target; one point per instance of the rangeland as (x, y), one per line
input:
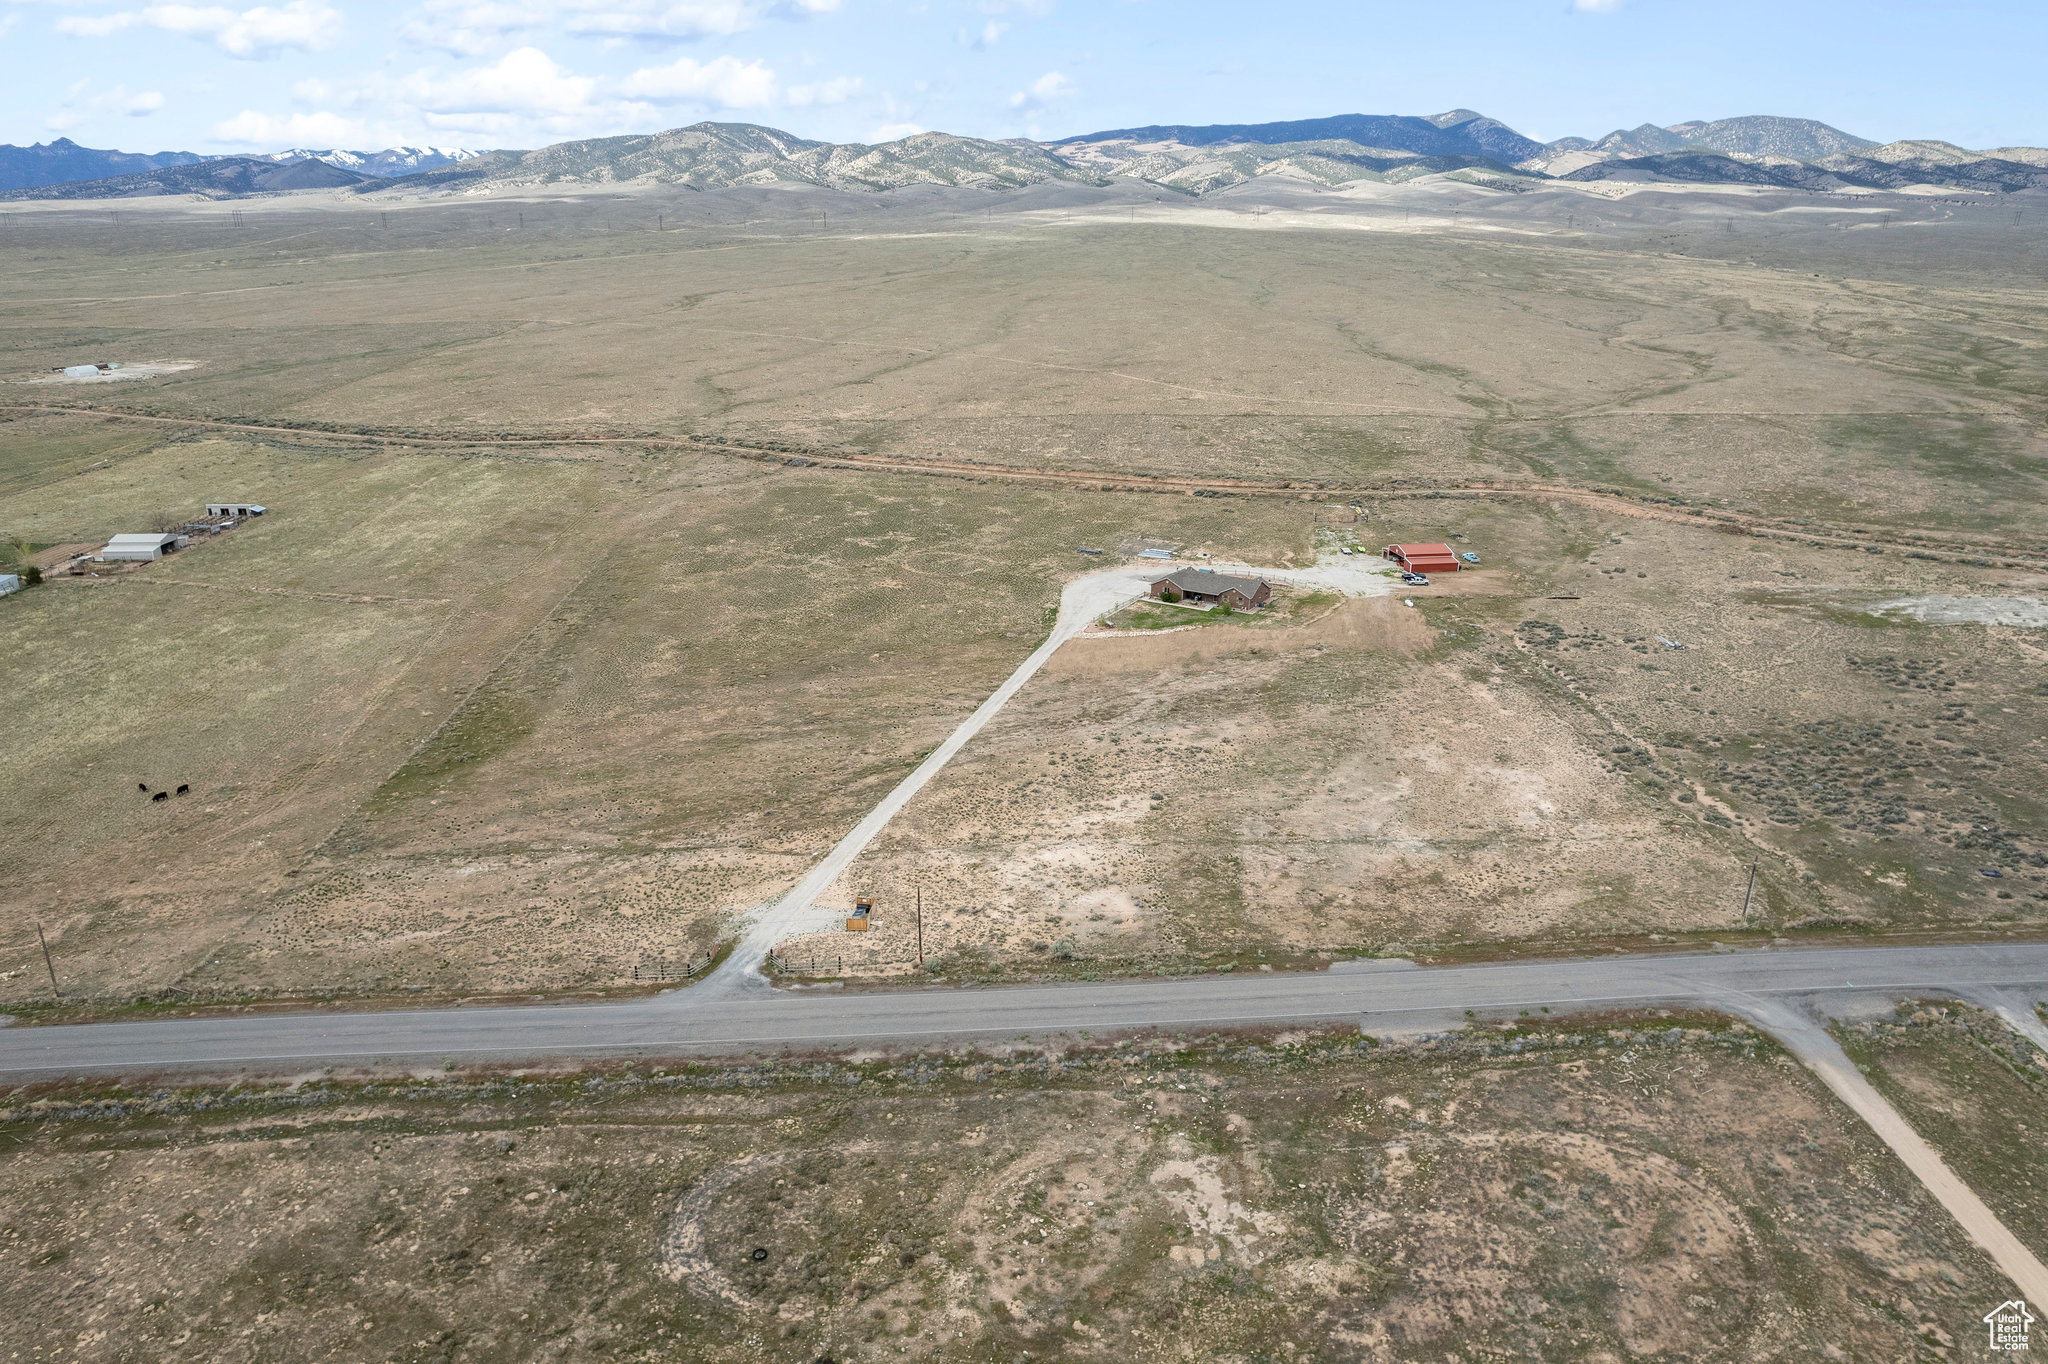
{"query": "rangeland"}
(1597, 1189)
(569, 639)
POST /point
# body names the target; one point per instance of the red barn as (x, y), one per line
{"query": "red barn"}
(1422, 558)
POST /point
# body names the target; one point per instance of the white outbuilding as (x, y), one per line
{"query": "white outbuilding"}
(235, 509)
(141, 547)
(9, 582)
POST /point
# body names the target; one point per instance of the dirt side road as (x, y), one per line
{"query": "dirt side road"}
(1810, 1042)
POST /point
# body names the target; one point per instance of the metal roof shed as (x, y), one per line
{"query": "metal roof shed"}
(141, 547)
(1422, 558)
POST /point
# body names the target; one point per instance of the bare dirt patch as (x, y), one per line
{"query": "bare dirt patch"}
(2029, 612)
(133, 369)
(1379, 623)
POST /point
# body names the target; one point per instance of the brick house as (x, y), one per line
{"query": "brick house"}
(1208, 586)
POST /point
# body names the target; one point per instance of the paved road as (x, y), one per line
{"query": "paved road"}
(1772, 988)
(755, 1018)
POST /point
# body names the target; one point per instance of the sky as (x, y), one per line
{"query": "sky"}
(366, 74)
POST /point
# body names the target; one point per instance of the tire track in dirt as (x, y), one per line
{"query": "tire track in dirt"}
(1941, 546)
(301, 593)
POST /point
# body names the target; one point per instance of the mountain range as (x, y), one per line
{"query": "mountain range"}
(720, 155)
(64, 162)
(221, 177)
(389, 162)
(1785, 153)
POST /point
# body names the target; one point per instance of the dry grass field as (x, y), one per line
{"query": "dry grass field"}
(523, 683)
(1634, 1187)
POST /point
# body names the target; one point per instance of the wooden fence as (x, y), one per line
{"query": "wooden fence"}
(669, 970)
(784, 965)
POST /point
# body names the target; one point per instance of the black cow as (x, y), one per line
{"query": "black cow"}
(161, 795)
(183, 787)
(142, 786)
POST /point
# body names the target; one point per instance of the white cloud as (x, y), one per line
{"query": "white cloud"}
(665, 18)
(986, 39)
(306, 24)
(891, 132)
(838, 90)
(1043, 91)
(252, 129)
(524, 81)
(724, 81)
(470, 27)
(1597, 6)
(95, 25)
(80, 96)
(260, 32)
(523, 99)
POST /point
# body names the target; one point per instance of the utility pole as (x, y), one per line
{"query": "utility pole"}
(46, 962)
(920, 925)
(1751, 891)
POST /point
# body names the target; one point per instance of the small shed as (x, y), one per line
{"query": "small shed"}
(1207, 585)
(1422, 558)
(142, 547)
(9, 582)
(236, 509)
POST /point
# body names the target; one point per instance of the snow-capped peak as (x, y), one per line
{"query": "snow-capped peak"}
(391, 161)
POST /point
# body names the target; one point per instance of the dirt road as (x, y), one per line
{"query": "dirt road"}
(1083, 602)
(1810, 1042)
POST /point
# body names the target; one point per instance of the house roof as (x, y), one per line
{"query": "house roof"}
(1208, 583)
(137, 540)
